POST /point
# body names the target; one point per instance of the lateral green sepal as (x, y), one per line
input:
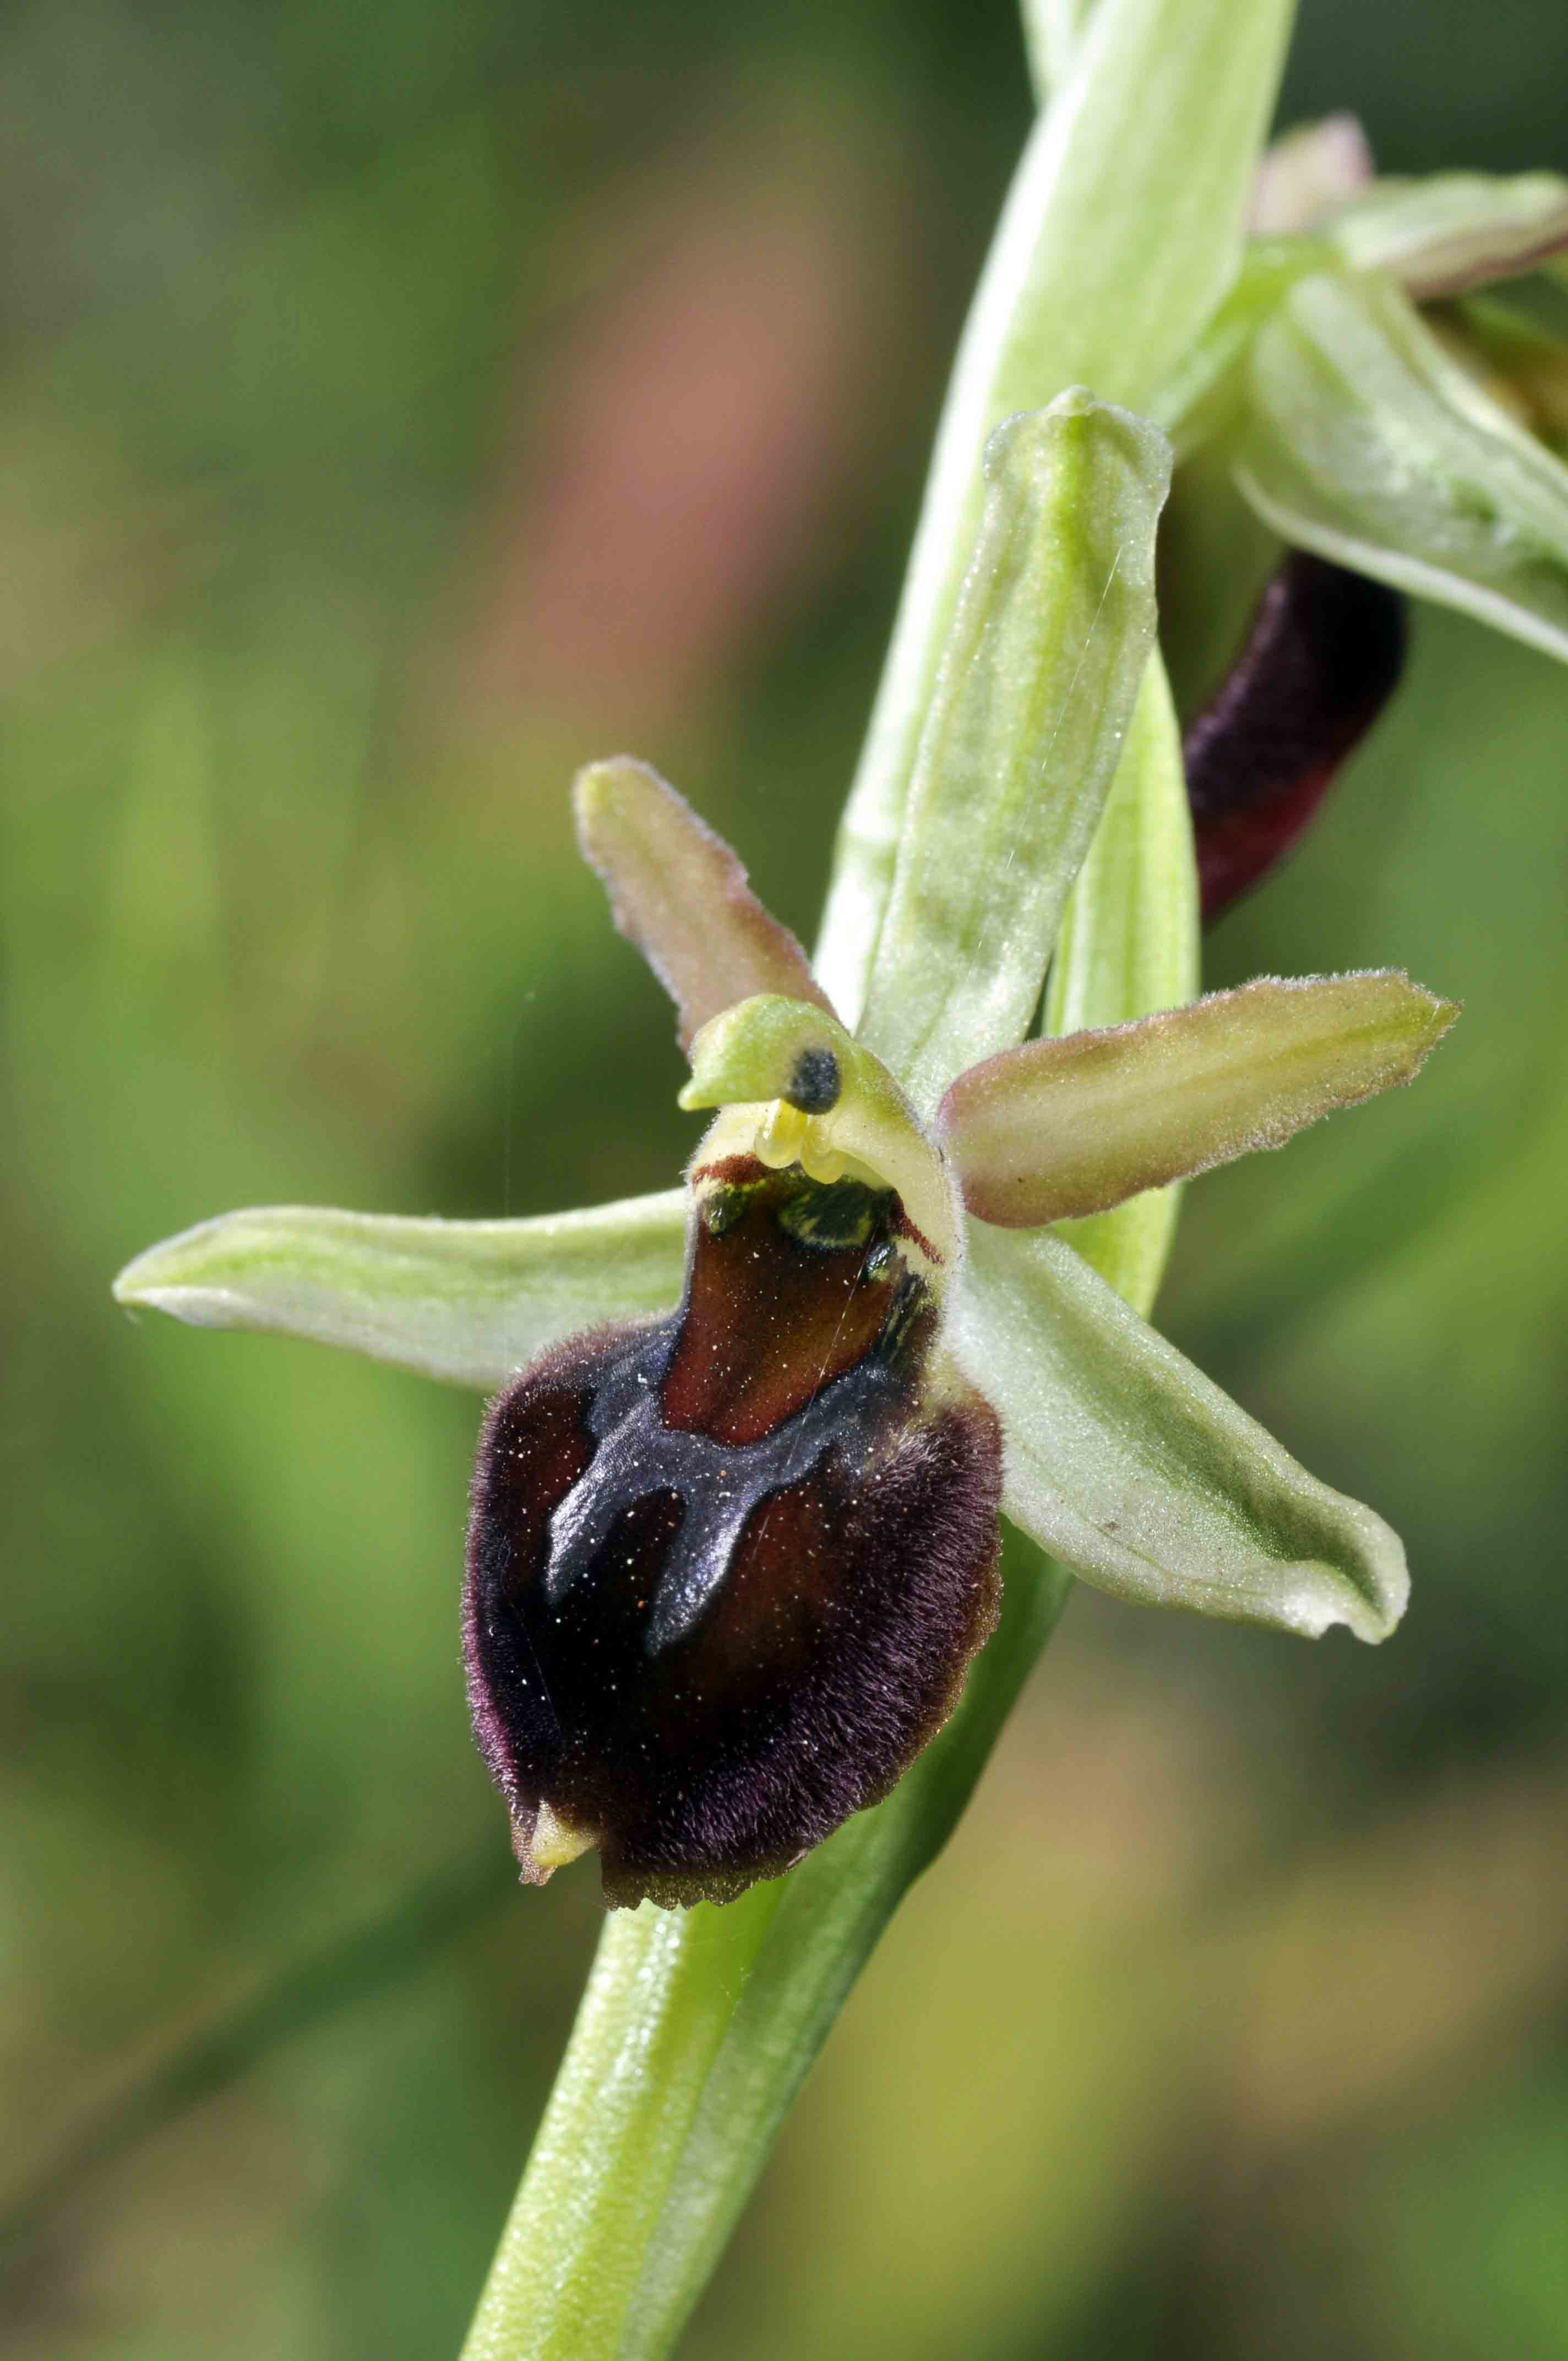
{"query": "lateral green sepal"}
(466, 1302)
(1142, 1476)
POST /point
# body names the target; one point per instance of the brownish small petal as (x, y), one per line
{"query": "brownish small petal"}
(1072, 1126)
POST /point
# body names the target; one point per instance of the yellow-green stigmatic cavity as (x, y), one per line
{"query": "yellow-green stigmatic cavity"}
(796, 1089)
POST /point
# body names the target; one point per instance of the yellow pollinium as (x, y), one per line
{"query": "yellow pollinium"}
(787, 1136)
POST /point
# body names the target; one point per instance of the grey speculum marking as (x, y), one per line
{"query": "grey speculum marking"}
(815, 1085)
(718, 1485)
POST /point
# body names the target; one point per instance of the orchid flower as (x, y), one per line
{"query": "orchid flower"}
(732, 1556)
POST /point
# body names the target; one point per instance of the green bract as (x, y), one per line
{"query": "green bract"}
(1049, 639)
(1128, 947)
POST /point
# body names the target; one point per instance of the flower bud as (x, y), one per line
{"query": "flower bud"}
(1322, 657)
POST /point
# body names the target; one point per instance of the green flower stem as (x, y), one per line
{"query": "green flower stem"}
(660, 2000)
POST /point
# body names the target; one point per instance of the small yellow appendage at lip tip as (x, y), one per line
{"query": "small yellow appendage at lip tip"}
(556, 1841)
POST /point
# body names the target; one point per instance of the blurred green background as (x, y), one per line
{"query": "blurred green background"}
(396, 407)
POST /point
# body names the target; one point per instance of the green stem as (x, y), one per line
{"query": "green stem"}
(658, 2005)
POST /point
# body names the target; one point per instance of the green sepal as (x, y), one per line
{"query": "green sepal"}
(1366, 441)
(466, 1302)
(1454, 230)
(1138, 1474)
(1043, 665)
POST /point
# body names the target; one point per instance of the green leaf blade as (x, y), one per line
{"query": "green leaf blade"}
(1143, 1477)
(468, 1302)
(1049, 647)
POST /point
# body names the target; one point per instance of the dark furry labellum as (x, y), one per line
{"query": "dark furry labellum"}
(726, 1570)
(1322, 659)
